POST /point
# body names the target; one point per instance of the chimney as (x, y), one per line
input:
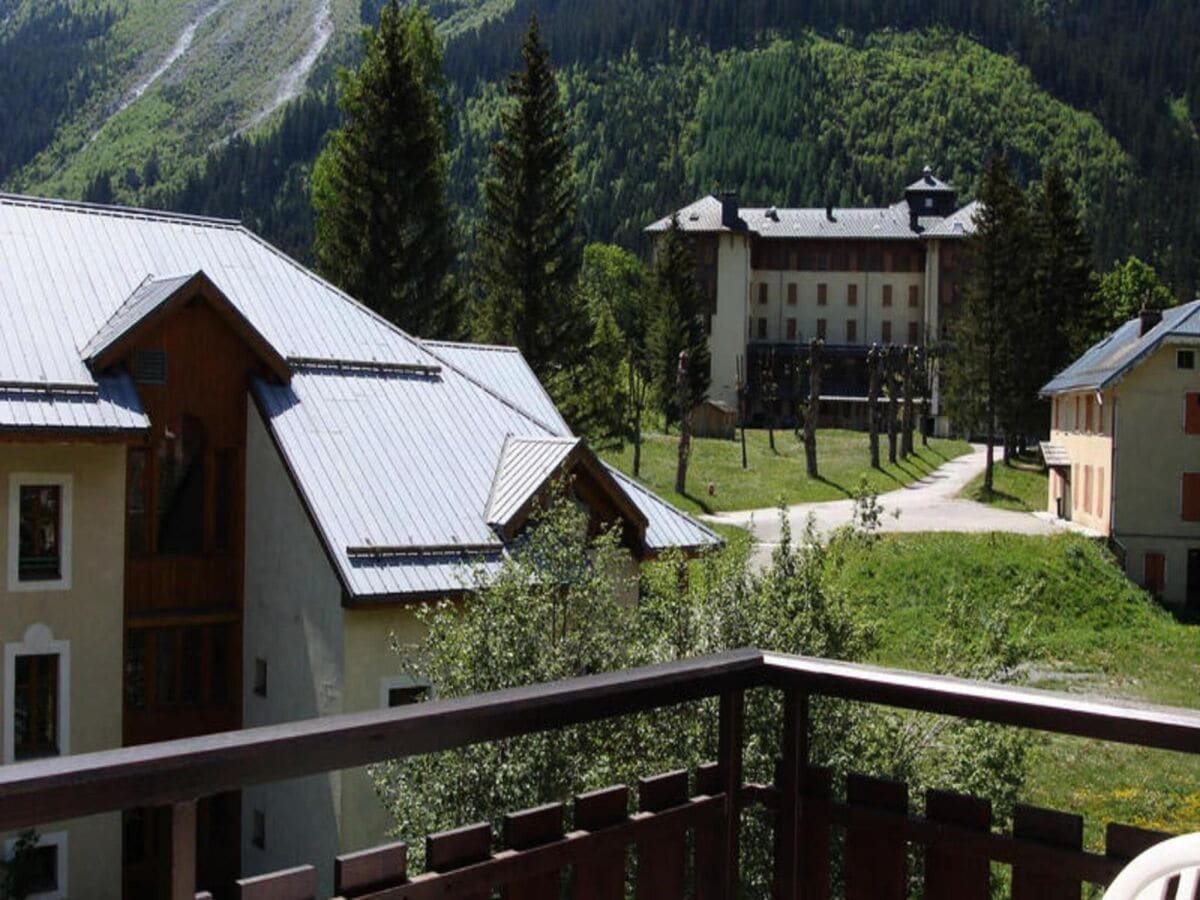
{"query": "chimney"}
(729, 210)
(1149, 317)
(829, 211)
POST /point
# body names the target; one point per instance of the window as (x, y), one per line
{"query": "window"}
(137, 542)
(1087, 488)
(178, 667)
(914, 333)
(1191, 415)
(762, 329)
(36, 697)
(887, 295)
(403, 690)
(1154, 572)
(852, 295)
(1191, 497)
(762, 293)
(260, 677)
(1078, 419)
(821, 329)
(39, 514)
(180, 500)
(1100, 492)
(913, 296)
(226, 485)
(791, 329)
(1088, 405)
(822, 294)
(792, 294)
(885, 331)
(1185, 359)
(42, 872)
(851, 331)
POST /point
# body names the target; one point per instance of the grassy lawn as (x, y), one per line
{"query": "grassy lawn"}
(1021, 486)
(1088, 631)
(775, 475)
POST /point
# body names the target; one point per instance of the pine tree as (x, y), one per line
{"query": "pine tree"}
(383, 230)
(991, 320)
(529, 250)
(1063, 279)
(677, 324)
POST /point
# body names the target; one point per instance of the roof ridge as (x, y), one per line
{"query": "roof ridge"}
(124, 212)
(505, 348)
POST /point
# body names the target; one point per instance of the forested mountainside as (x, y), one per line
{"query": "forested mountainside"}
(791, 102)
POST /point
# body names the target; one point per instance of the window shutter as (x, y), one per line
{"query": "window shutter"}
(1191, 497)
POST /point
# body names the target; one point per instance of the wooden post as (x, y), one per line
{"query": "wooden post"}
(792, 770)
(183, 850)
(729, 756)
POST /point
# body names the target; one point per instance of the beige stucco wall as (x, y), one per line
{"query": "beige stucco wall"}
(89, 616)
(293, 621)
(728, 339)
(1092, 449)
(1153, 452)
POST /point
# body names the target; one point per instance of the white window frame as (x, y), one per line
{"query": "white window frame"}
(39, 641)
(57, 839)
(16, 481)
(402, 681)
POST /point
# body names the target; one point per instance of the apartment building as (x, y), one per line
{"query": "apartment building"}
(227, 485)
(1124, 448)
(776, 278)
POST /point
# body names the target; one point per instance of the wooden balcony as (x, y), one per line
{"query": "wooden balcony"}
(686, 828)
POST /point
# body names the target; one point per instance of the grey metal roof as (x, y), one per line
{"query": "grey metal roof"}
(1055, 455)
(1110, 359)
(959, 224)
(929, 183)
(147, 297)
(667, 526)
(526, 464)
(503, 370)
(66, 268)
(883, 223)
(113, 406)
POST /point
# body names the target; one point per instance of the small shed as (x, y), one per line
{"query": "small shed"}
(714, 419)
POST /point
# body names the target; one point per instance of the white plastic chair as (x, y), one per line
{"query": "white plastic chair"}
(1148, 875)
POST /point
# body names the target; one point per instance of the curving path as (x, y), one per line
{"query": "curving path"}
(930, 504)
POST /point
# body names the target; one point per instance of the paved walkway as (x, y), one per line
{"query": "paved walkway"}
(930, 504)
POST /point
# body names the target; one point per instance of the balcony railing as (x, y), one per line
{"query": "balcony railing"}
(685, 833)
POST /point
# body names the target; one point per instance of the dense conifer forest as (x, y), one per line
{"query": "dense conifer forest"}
(787, 102)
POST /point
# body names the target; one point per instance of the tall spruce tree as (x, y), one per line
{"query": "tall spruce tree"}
(677, 324)
(528, 245)
(993, 316)
(383, 231)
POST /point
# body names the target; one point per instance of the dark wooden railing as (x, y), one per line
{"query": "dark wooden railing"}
(686, 830)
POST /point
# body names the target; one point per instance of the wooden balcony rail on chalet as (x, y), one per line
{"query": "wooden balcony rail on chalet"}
(679, 813)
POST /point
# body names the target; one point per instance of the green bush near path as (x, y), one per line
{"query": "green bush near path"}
(776, 475)
(1085, 629)
(1021, 487)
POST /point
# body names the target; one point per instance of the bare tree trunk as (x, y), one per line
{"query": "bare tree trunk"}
(685, 424)
(814, 406)
(893, 407)
(637, 396)
(991, 459)
(910, 386)
(875, 376)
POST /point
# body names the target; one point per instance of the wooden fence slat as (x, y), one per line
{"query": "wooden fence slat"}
(707, 843)
(533, 828)
(370, 870)
(602, 877)
(450, 850)
(816, 832)
(1124, 842)
(1046, 826)
(876, 859)
(299, 883)
(950, 871)
(662, 863)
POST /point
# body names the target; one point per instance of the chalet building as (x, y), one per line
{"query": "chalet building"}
(777, 278)
(227, 485)
(1124, 448)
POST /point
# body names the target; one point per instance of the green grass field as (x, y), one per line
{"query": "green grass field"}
(1088, 630)
(1021, 486)
(774, 476)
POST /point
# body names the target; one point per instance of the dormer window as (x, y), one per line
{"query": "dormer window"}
(929, 203)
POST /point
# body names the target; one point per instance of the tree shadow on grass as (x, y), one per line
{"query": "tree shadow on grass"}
(995, 497)
(833, 484)
(704, 507)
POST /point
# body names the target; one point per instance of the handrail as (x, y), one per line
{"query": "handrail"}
(32, 793)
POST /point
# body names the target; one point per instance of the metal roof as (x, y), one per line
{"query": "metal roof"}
(1110, 359)
(526, 464)
(956, 225)
(147, 297)
(503, 370)
(929, 183)
(112, 406)
(860, 223)
(1056, 456)
(667, 526)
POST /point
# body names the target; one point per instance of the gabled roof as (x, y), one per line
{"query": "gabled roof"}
(155, 298)
(930, 183)
(1110, 359)
(526, 464)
